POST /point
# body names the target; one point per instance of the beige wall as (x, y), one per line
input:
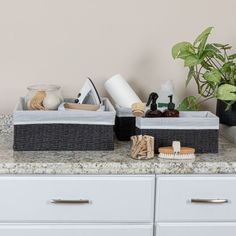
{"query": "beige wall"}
(63, 41)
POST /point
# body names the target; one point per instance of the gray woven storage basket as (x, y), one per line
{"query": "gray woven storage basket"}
(199, 130)
(63, 130)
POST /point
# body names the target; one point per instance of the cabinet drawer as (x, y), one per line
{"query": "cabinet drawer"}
(196, 229)
(76, 230)
(77, 199)
(193, 199)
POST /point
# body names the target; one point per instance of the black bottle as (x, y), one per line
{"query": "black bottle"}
(153, 112)
(171, 112)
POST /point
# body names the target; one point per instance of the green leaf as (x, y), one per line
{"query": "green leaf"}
(180, 47)
(202, 45)
(203, 36)
(206, 65)
(220, 57)
(222, 46)
(189, 104)
(211, 50)
(232, 82)
(232, 57)
(190, 75)
(226, 92)
(226, 68)
(218, 45)
(190, 61)
(227, 47)
(212, 76)
(184, 54)
(229, 104)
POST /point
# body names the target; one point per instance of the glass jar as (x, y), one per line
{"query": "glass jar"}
(142, 147)
(43, 97)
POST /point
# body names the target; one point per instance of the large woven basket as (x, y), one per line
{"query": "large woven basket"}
(63, 130)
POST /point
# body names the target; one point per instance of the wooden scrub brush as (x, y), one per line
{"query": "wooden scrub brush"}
(176, 152)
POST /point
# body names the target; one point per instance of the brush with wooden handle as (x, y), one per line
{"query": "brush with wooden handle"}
(176, 152)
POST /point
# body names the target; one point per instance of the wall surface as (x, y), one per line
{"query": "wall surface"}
(63, 41)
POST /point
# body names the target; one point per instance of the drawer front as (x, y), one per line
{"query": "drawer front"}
(77, 199)
(73, 230)
(193, 199)
(197, 229)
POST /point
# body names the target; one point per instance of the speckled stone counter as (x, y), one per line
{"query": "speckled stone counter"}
(106, 162)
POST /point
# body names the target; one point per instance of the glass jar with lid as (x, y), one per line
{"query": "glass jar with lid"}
(43, 97)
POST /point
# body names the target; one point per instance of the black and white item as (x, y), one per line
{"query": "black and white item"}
(199, 130)
(63, 130)
(124, 97)
(88, 94)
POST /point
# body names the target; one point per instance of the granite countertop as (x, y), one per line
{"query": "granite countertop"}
(106, 162)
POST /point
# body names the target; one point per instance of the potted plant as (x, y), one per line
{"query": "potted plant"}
(213, 68)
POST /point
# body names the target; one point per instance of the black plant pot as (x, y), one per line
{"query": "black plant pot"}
(226, 117)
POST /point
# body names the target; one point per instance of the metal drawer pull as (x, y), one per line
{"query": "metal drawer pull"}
(65, 201)
(210, 201)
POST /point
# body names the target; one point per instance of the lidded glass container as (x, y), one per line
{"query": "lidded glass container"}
(43, 97)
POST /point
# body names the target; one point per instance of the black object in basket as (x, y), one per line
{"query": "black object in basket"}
(227, 116)
(198, 130)
(63, 130)
(124, 123)
(124, 128)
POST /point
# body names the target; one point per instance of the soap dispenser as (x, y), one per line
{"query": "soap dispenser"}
(153, 112)
(171, 111)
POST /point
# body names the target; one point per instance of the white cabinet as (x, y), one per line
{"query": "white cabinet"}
(182, 199)
(117, 205)
(75, 230)
(83, 199)
(77, 205)
(195, 205)
(196, 229)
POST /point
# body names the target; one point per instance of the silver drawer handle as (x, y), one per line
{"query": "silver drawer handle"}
(67, 201)
(210, 201)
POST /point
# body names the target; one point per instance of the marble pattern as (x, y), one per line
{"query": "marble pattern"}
(106, 162)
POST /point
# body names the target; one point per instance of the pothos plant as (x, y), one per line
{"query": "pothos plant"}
(211, 66)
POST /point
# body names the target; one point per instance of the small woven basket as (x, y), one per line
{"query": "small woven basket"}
(199, 130)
